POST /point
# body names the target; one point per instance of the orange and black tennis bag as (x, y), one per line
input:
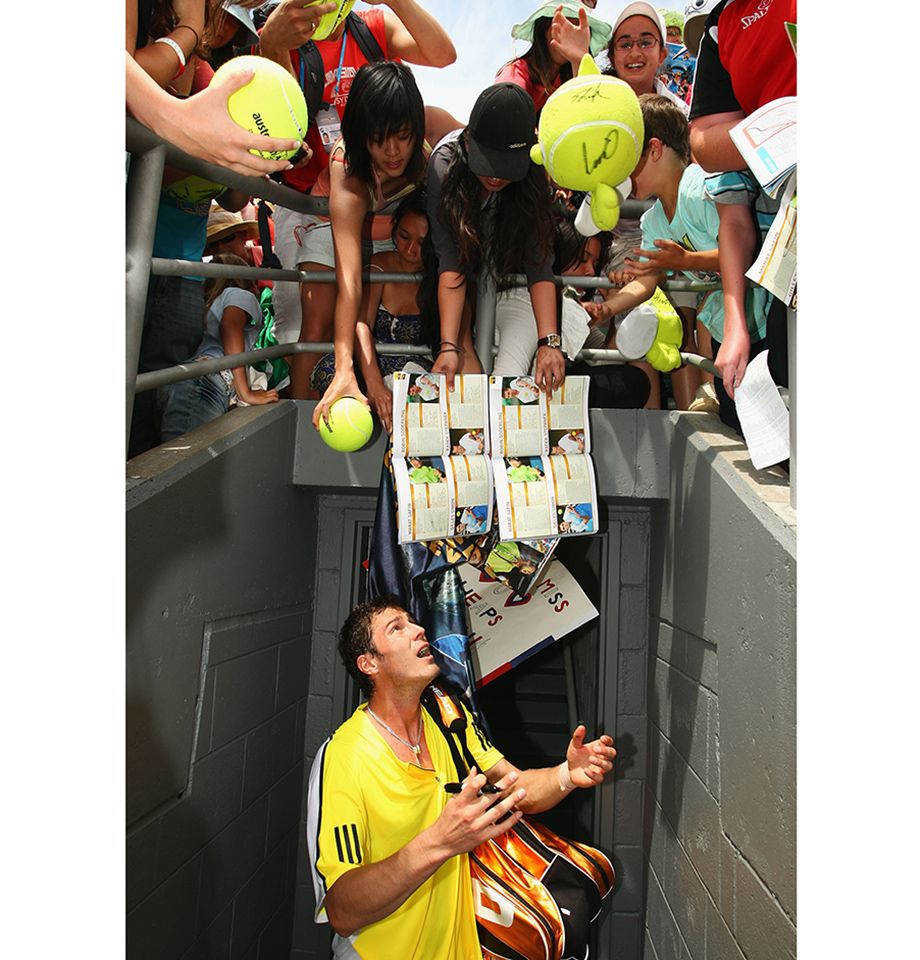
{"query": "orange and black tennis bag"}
(535, 893)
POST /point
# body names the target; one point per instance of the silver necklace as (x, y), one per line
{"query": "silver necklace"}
(416, 748)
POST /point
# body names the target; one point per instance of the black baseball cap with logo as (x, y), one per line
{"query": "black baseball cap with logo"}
(501, 132)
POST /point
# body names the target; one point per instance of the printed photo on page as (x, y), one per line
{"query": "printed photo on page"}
(517, 412)
(575, 494)
(567, 413)
(467, 411)
(524, 498)
(472, 495)
(425, 498)
(518, 563)
(419, 420)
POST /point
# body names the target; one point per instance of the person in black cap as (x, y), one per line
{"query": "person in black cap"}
(490, 208)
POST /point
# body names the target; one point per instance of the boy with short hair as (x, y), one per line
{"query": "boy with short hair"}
(685, 221)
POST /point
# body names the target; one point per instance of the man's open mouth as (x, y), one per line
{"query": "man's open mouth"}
(424, 652)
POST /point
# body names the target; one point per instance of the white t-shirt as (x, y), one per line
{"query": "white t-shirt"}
(211, 343)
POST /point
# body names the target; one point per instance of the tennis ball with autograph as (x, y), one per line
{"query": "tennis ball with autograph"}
(271, 104)
(350, 425)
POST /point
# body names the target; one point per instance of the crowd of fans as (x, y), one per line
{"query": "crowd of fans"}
(413, 189)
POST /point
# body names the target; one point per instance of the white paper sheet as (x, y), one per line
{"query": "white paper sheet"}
(763, 415)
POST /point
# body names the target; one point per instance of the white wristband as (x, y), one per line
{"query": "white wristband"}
(562, 775)
(178, 51)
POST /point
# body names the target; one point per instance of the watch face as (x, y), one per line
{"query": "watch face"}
(552, 340)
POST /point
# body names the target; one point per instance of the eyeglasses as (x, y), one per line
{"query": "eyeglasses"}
(643, 43)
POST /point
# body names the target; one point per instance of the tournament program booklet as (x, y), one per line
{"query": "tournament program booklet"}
(441, 468)
(766, 139)
(544, 476)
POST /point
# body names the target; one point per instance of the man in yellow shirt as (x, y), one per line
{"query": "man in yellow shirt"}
(387, 842)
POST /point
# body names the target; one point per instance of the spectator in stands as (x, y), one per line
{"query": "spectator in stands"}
(561, 34)
(674, 25)
(485, 195)
(746, 60)
(232, 324)
(404, 32)
(619, 385)
(228, 232)
(200, 124)
(391, 312)
(684, 213)
(379, 160)
(636, 50)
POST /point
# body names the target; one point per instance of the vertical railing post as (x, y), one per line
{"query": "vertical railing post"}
(790, 332)
(145, 178)
(485, 320)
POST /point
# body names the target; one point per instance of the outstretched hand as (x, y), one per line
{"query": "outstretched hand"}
(343, 385)
(569, 39)
(589, 763)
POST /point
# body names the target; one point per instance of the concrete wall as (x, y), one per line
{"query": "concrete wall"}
(720, 824)
(217, 656)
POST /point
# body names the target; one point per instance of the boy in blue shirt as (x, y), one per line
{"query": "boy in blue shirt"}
(682, 232)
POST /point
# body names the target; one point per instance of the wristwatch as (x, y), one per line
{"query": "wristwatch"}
(550, 340)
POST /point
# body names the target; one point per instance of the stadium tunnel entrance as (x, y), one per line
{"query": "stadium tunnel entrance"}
(245, 545)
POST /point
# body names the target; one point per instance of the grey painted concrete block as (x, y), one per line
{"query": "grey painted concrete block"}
(660, 844)
(728, 855)
(255, 902)
(688, 720)
(319, 723)
(659, 703)
(628, 930)
(269, 754)
(688, 901)
(631, 682)
(764, 931)
(324, 657)
(667, 644)
(326, 610)
(660, 923)
(286, 802)
(275, 939)
(140, 863)
(613, 446)
(700, 662)
(713, 750)
(304, 931)
(648, 948)
(244, 695)
(631, 740)
(293, 672)
(634, 617)
(720, 944)
(653, 446)
(212, 804)
(691, 811)
(230, 859)
(634, 549)
(236, 639)
(215, 940)
(629, 807)
(147, 937)
(203, 746)
(629, 863)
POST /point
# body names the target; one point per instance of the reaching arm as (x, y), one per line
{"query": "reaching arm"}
(232, 324)
(737, 243)
(571, 40)
(413, 34)
(635, 292)
(451, 299)
(711, 146)
(201, 125)
(549, 368)
(348, 206)
(288, 26)
(586, 765)
(377, 391)
(669, 255)
(373, 891)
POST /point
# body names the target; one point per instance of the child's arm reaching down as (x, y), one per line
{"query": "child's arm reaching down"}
(635, 292)
(232, 324)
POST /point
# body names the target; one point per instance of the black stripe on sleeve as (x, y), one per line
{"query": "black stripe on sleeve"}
(347, 840)
(354, 833)
(338, 845)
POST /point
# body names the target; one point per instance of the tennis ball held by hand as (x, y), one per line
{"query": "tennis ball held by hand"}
(329, 22)
(349, 427)
(271, 104)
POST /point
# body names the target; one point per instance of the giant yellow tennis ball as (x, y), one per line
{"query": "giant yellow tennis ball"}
(328, 22)
(271, 104)
(350, 425)
(590, 138)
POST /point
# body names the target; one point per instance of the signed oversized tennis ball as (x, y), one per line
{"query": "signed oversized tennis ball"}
(329, 22)
(271, 104)
(590, 137)
(350, 425)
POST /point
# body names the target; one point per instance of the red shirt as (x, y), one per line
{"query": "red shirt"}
(752, 62)
(303, 178)
(518, 72)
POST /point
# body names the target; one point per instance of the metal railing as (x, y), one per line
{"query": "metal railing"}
(150, 154)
